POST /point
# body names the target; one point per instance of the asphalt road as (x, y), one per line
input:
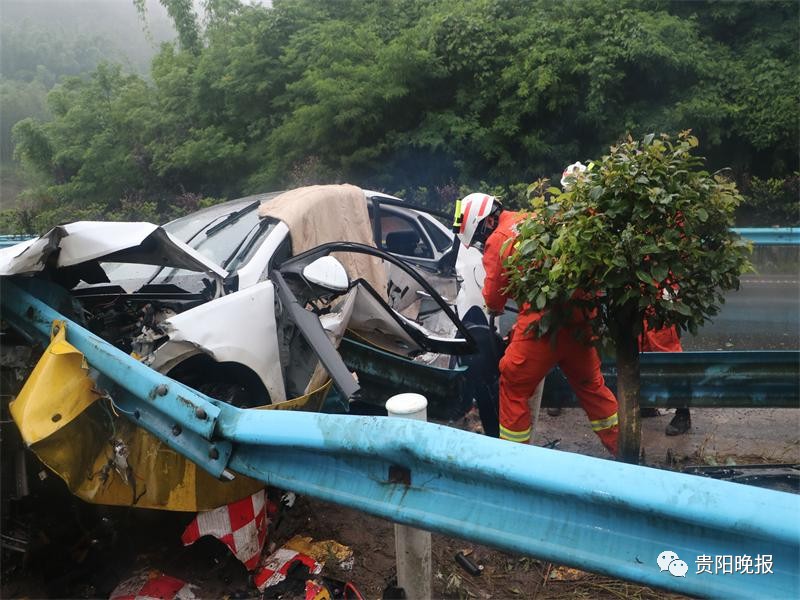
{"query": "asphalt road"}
(764, 314)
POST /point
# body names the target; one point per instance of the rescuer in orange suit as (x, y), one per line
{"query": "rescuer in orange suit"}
(666, 339)
(480, 219)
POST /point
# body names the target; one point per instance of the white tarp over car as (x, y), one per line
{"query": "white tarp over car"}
(84, 241)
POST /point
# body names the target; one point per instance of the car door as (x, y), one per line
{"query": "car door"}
(412, 237)
(366, 317)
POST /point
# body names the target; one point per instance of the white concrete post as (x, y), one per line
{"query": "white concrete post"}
(412, 546)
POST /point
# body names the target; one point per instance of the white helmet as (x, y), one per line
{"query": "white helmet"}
(470, 213)
(571, 174)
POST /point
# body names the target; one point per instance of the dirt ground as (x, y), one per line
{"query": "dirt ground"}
(133, 541)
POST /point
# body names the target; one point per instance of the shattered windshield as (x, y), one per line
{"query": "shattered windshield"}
(222, 246)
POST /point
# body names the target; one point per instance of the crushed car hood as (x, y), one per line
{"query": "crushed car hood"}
(85, 241)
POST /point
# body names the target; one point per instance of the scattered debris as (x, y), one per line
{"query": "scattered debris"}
(299, 558)
(282, 563)
(567, 574)
(241, 525)
(153, 584)
(324, 588)
(467, 564)
(326, 552)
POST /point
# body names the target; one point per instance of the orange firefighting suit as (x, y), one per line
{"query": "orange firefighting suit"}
(660, 340)
(665, 339)
(527, 360)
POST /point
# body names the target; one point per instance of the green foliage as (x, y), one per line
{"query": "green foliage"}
(418, 95)
(93, 149)
(771, 202)
(645, 234)
(19, 100)
(184, 18)
(41, 42)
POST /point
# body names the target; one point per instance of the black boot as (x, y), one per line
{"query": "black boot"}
(681, 422)
(648, 412)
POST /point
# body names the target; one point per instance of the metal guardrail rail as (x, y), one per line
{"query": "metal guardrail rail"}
(715, 379)
(11, 240)
(770, 236)
(757, 235)
(594, 514)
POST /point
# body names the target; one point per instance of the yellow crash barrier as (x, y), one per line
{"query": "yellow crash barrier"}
(103, 457)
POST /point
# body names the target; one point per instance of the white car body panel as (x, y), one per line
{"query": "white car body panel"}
(84, 241)
(255, 269)
(243, 332)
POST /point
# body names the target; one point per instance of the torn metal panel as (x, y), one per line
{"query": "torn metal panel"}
(29, 256)
(392, 331)
(379, 310)
(335, 325)
(404, 290)
(139, 380)
(239, 328)
(116, 448)
(103, 457)
(316, 337)
(84, 241)
(369, 321)
(56, 392)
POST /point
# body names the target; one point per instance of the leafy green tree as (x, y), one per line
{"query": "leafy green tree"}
(19, 100)
(412, 94)
(94, 149)
(643, 237)
(757, 75)
(183, 16)
(773, 202)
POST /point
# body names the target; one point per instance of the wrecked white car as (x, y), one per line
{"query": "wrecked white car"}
(200, 298)
(246, 302)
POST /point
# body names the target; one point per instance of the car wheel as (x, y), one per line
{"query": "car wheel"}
(232, 383)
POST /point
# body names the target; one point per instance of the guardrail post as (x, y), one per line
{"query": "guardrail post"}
(412, 546)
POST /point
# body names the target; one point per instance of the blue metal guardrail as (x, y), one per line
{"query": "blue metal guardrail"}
(757, 235)
(768, 236)
(594, 514)
(11, 240)
(714, 379)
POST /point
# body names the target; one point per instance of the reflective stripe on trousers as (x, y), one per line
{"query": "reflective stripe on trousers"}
(601, 424)
(526, 362)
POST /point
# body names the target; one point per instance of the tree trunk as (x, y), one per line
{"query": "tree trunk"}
(630, 426)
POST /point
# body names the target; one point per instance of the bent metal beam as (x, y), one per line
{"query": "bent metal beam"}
(594, 514)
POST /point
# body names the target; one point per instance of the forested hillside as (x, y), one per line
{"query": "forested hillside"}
(416, 97)
(42, 41)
